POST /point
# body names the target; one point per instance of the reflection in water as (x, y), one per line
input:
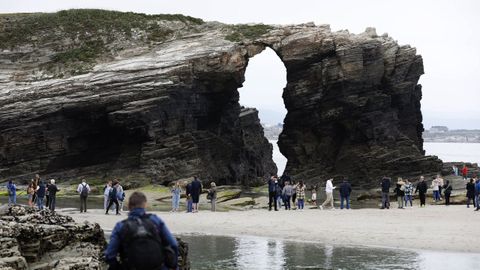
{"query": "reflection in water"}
(217, 252)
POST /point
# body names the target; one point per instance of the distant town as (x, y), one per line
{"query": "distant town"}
(434, 134)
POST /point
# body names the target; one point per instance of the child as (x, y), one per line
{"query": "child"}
(189, 203)
(314, 195)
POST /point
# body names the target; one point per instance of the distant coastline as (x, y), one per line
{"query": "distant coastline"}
(436, 134)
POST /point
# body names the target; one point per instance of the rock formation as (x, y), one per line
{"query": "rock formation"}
(44, 240)
(99, 94)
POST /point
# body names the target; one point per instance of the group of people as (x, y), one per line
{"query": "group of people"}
(41, 194)
(284, 191)
(404, 191)
(113, 194)
(193, 190)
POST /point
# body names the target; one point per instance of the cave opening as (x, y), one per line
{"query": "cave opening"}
(265, 79)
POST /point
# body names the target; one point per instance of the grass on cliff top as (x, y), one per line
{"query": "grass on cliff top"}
(247, 31)
(81, 36)
(20, 28)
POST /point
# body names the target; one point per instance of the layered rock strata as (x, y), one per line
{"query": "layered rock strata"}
(158, 100)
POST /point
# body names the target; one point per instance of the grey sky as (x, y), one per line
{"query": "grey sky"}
(445, 33)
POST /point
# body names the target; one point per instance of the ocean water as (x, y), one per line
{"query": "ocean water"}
(461, 152)
(248, 252)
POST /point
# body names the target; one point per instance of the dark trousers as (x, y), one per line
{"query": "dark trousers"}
(83, 204)
(422, 199)
(272, 199)
(111, 202)
(52, 202)
(447, 198)
(47, 204)
(287, 202)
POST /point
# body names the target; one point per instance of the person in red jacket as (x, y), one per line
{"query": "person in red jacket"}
(464, 172)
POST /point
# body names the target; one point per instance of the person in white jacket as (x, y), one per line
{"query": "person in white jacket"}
(329, 192)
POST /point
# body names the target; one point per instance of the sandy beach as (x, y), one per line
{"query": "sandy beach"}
(453, 228)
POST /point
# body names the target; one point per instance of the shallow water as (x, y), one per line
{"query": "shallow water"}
(218, 252)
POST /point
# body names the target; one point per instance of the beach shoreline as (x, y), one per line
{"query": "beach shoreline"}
(434, 228)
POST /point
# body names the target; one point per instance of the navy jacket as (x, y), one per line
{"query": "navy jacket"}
(477, 188)
(271, 186)
(385, 185)
(345, 189)
(41, 190)
(113, 247)
(196, 189)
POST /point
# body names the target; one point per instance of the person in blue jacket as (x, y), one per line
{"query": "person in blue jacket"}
(147, 256)
(477, 194)
(41, 191)
(12, 193)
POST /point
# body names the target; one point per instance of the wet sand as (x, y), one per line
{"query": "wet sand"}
(452, 228)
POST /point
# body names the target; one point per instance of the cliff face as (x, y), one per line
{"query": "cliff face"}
(158, 100)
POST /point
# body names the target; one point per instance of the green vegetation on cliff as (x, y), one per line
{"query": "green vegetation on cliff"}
(247, 31)
(80, 36)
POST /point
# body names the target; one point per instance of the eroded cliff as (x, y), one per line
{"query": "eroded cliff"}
(103, 94)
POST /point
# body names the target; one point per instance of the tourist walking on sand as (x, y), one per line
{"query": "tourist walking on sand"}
(470, 192)
(385, 192)
(188, 191)
(422, 190)
(212, 194)
(52, 190)
(196, 191)
(464, 172)
(400, 192)
(300, 191)
(30, 192)
(12, 193)
(345, 190)
(436, 189)
(142, 241)
(272, 190)
(120, 195)
(477, 194)
(441, 183)
(287, 193)
(113, 198)
(448, 191)
(408, 193)
(41, 190)
(83, 189)
(176, 191)
(329, 192)
(106, 194)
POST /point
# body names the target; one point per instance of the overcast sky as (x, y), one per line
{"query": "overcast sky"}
(445, 33)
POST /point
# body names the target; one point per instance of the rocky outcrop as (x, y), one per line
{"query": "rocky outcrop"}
(157, 100)
(45, 240)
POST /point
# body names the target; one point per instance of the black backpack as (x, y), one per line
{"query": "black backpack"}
(142, 247)
(84, 192)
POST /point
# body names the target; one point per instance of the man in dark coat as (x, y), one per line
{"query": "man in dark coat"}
(196, 191)
(41, 190)
(52, 191)
(272, 190)
(422, 190)
(385, 192)
(345, 190)
(470, 192)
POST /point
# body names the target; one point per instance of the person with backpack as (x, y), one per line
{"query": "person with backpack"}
(448, 191)
(83, 189)
(345, 191)
(120, 196)
(212, 195)
(52, 190)
(106, 194)
(12, 193)
(41, 191)
(287, 193)
(422, 190)
(143, 241)
(113, 198)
